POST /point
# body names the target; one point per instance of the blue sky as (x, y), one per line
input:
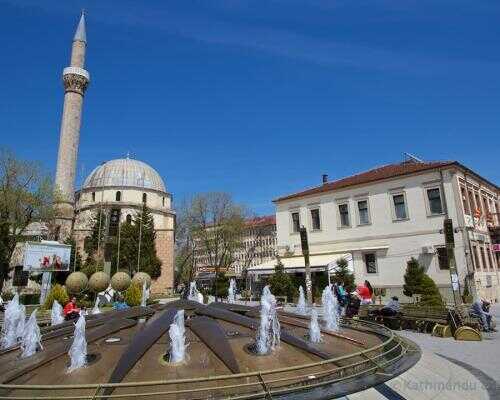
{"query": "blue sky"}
(258, 98)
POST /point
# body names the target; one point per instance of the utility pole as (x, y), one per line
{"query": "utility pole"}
(449, 239)
(305, 251)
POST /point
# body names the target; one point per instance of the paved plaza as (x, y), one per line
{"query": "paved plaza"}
(448, 369)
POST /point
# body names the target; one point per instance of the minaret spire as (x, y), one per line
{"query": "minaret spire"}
(81, 34)
(76, 80)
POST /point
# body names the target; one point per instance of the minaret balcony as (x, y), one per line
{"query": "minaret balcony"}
(77, 71)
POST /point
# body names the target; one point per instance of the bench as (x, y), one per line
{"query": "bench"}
(462, 317)
(369, 312)
(423, 318)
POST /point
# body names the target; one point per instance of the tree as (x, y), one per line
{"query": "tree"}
(137, 243)
(430, 292)
(257, 229)
(148, 260)
(26, 196)
(210, 228)
(281, 283)
(343, 275)
(413, 278)
(94, 243)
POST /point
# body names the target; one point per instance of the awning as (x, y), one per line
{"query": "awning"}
(318, 262)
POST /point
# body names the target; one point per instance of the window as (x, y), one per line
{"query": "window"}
(93, 196)
(478, 205)
(118, 196)
(163, 201)
(488, 281)
(486, 208)
(471, 200)
(442, 255)
(344, 215)
(399, 206)
(465, 203)
(476, 258)
(371, 263)
(128, 219)
(144, 198)
(490, 259)
(364, 217)
(315, 219)
(483, 258)
(434, 197)
(295, 222)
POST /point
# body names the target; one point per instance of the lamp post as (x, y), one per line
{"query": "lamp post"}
(305, 251)
(449, 239)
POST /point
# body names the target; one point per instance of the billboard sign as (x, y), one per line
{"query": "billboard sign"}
(46, 256)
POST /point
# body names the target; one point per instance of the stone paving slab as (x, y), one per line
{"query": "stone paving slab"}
(432, 378)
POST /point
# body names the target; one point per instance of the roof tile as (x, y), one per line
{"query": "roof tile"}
(373, 175)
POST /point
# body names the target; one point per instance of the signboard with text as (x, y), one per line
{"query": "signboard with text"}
(46, 256)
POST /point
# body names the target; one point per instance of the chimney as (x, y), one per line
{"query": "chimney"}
(325, 178)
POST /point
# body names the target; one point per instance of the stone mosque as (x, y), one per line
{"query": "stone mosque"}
(120, 187)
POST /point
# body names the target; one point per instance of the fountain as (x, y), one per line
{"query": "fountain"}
(21, 322)
(78, 349)
(268, 334)
(178, 339)
(32, 338)
(314, 331)
(145, 294)
(12, 319)
(227, 339)
(301, 304)
(231, 292)
(56, 314)
(96, 309)
(330, 309)
(194, 294)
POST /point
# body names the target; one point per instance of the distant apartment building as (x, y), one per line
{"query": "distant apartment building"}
(380, 218)
(257, 245)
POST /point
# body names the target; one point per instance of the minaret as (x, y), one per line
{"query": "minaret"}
(75, 79)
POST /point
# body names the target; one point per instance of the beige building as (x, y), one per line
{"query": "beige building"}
(258, 245)
(380, 218)
(119, 187)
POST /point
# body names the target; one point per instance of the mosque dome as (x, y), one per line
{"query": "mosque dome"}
(125, 172)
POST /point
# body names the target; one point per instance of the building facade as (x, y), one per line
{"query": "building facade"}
(383, 217)
(257, 245)
(120, 188)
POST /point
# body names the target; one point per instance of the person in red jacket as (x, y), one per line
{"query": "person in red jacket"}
(71, 311)
(365, 291)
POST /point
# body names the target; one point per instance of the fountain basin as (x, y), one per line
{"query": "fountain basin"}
(289, 371)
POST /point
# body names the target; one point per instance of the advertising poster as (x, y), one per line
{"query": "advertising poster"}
(46, 256)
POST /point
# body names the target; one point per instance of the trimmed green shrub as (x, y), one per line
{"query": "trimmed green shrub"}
(220, 286)
(58, 293)
(281, 283)
(430, 293)
(413, 278)
(133, 295)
